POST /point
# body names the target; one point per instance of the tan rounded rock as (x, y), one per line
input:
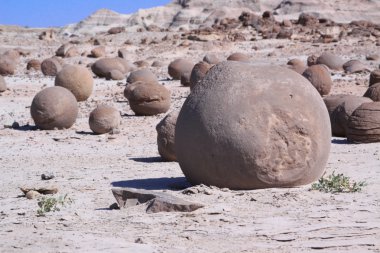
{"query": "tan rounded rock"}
(331, 61)
(147, 99)
(354, 66)
(98, 52)
(76, 79)
(165, 136)
(178, 67)
(373, 92)
(185, 79)
(51, 67)
(374, 77)
(211, 59)
(364, 124)
(198, 73)
(32, 194)
(33, 64)
(282, 141)
(238, 57)
(320, 78)
(312, 60)
(115, 75)
(341, 114)
(104, 119)
(333, 101)
(3, 85)
(143, 75)
(297, 65)
(7, 66)
(54, 107)
(104, 66)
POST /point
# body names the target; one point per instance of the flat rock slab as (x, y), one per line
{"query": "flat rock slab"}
(156, 201)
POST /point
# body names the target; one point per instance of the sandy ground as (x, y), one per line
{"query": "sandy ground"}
(87, 166)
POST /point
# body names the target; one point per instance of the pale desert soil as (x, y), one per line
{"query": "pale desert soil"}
(87, 166)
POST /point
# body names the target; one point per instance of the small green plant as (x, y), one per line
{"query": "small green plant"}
(52, 204)
(337, 183)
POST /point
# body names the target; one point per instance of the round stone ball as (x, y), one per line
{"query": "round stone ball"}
(3, 85)
(320, 78)
(333, 101)
(341, 114)
(54, 107)
(185, 79)
(354, 66)
(50, 67)
(198, 73)
(104, 66)
(282, 140)
(211, 59)
(373, 92)
(297, 65)
(142, 75)
(146, 99)
(76, 79)
(165, 137)
(374, 77)
(238, 57)
(7, 66)
(332, 61)
(364, 124)
(33, 65)
(178, 67)
(103, 119)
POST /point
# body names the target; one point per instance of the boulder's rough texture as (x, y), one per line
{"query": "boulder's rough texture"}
(297, 65)
(3, 85)
(50, 67)
(364, 124)
(341, 114)
(320, 78)
(354, 66)
(374, 77)
(373, 92)
(178, 67)
(198, 73)
(54, 107)
(142, 75)
(104, 66)
(282, 141)
(147, 99)
(33, 64)
(330, 60)
(238, 57)
(104, 119)
(165, 136)
(77, 79)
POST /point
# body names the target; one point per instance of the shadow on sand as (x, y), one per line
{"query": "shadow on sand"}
(163, 183)
(340, 141)
(156, 159)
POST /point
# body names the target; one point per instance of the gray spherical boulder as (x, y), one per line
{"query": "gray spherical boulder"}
(178, 67)
(281, 141)
(354, 66)
(373, 92)
(3, 85)
(211, 59)
(7, 66)
(104, 66)
(364, 124)
(374, 77)
(142, 75)
(297, 65)
(77, 79)
(331, 61)
(341, 114)
(165, 136)
(54, 107)
(238, 57)
(104, 119)
(51, 67)
(146, 99)
(198, 73)
(320, 78)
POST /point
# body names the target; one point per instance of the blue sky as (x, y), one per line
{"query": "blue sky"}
(47, 13)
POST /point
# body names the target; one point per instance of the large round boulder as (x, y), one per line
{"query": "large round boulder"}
(354, 66)
(332, 61)
(364, 124)
(104, 119)
(178, 67)
(51, 66)
(104, 66)
(7, 66)
(147, 99)
(76, 79)
(142, 75)
(165, 136)
(341, 114)
(373, 92)
(320, 78)
(249, 127)
(54, 107)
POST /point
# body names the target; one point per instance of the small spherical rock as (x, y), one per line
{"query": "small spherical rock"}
(341, 114)
(374, 77)
(331, 61)
(147, 99)
(320, 78)
(104, 66)
(364, 124)
(354, 66)
(51, 67)
(143, 75)
(33, 64)
(178, 67)
(54, 107)
(185, 79)
(198, 73)
(158, 64)
(104, 119)
(7, 66)
(3, 85)
(98, 52)
(282, 141)
(297, 65)
(165, 136)
(77, 79)
(312, 60)
(373, 92)
(238, 57)
(211, 59)
(115, 75)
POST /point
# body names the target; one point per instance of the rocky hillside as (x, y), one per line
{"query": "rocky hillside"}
(192, 14)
